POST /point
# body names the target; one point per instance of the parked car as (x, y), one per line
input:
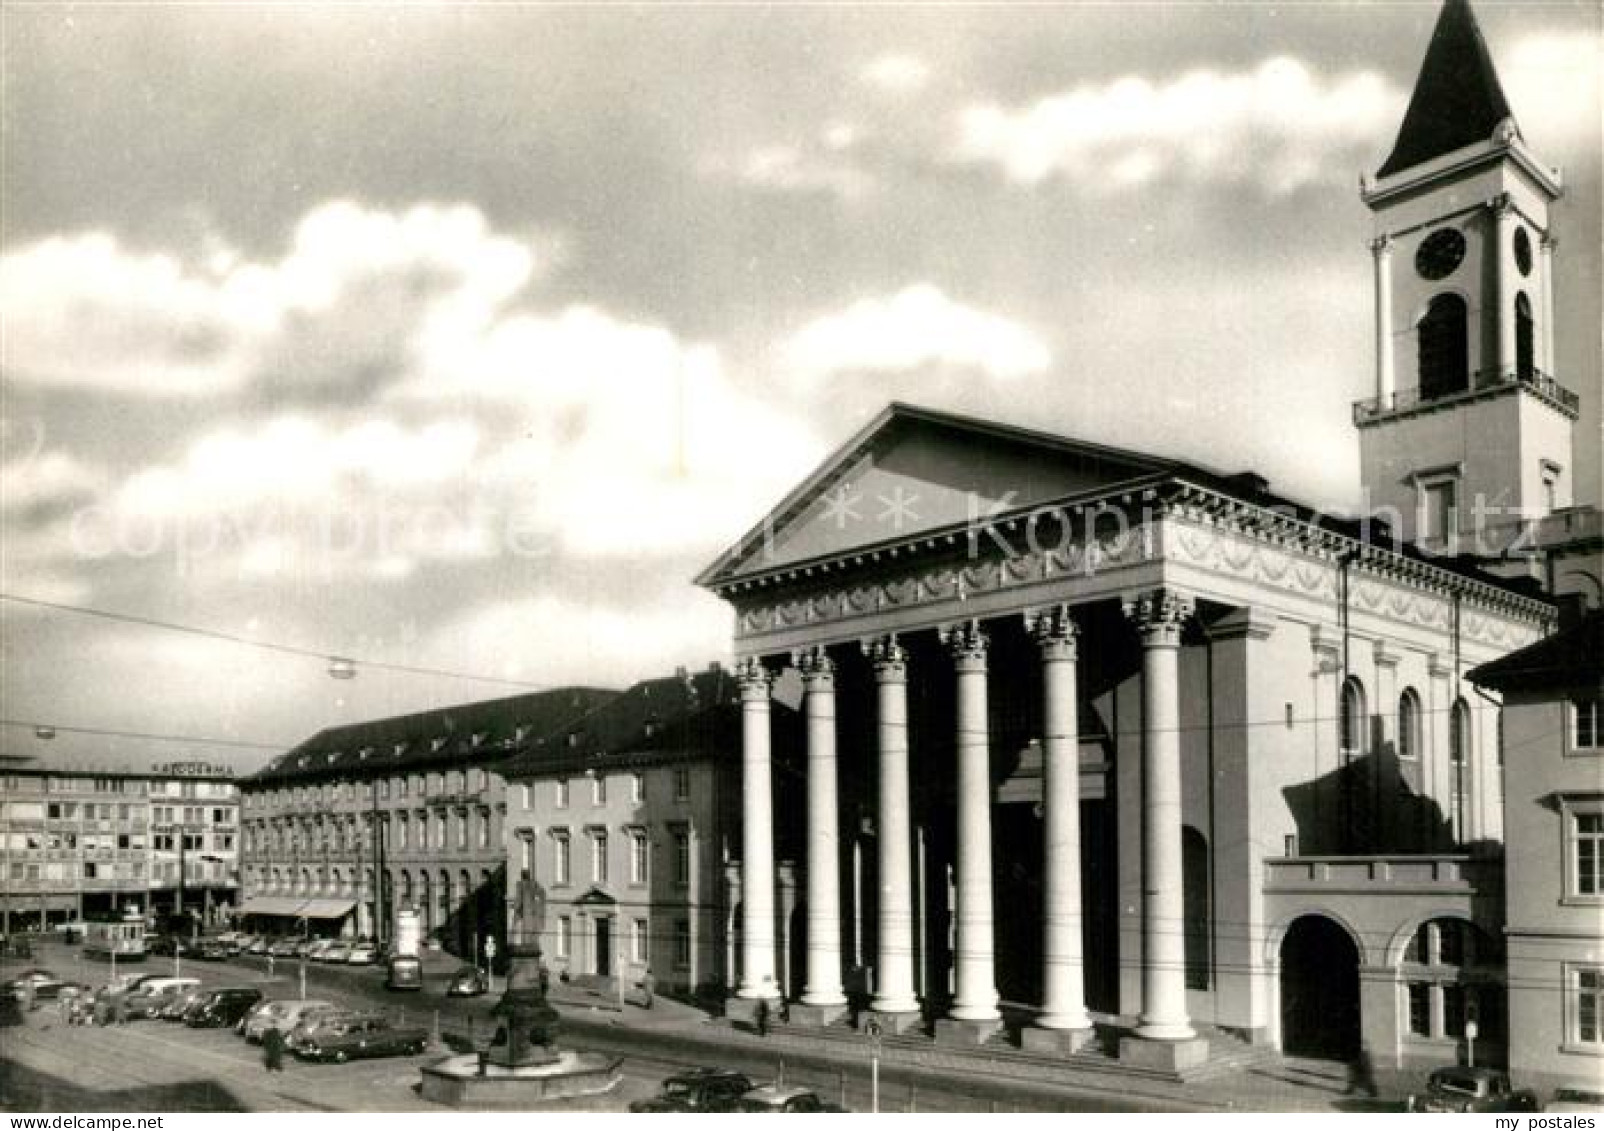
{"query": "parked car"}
(335, 952)
(784, 1098)
(255, 944)
(314, 948)
(223, 1008)
(352, 1038)
(156, 995)
(363, 954)
(404, 972)
(284, 948)
(187, 1002)
(309, 1027)
(699, 1089)
(126, 984)
(1461, 1089)
(37, 984)
(1578, 1096)
(212, 950)
(469, 981)
(282, 1015)
(169, 946)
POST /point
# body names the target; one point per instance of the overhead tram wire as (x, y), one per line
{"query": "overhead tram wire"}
(196, 740)
(329, 657)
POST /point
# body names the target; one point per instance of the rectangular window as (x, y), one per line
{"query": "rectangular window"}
(682, 857)
(598, 790)
(637, 788)
(1453, 1010)
(462, 830)
(1588, 1007)
(1442, 510)
(1587, 831)
(598, 857)
(562, 793)
(682, 784)
(638, 849)
(484, 830)
(640, 942)
(682, 943)
(565, 936)
(1420, 1009)
(563, 863)
(1588, 711)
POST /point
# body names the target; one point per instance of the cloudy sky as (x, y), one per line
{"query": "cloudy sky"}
(462, 337)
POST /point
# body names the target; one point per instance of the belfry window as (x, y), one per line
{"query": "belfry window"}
(1524, 366)
(1444, 347)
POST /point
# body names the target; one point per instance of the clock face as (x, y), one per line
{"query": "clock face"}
(1440, 253)
(1523, 251)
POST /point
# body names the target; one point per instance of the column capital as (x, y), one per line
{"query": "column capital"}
(889, 657)
(1054, 630)
(1381, 246)
(1159, 615)
(968, 644)
(816, 666)
(754, 680)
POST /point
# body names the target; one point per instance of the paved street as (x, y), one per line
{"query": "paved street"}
(155, 1066)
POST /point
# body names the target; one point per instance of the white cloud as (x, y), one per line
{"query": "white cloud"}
(915, 328)
(897, 74)
(45, 479)
(789, 168)
(1279, 126)
(1553, 85)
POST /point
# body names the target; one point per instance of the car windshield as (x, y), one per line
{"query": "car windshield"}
(677, 1089)
(1458, 1084)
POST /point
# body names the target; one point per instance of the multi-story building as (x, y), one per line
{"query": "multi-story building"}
(1127, 737)
(87, 842)
(361, 820)
(623, 820)
(1553, 695)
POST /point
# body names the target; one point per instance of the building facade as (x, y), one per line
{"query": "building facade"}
(1125, 738)
(1553, 694)
(85, 843)
(624, 824)
(360, 821)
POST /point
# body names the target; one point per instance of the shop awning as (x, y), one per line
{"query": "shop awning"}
(270, 905)
(326, 908)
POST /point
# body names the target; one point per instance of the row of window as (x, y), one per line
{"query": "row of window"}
(427, 784)
(88, 870)
(348, 835)
(639, 941)
(33, 783)
(15, 842)
(1443, 344)
(640, 857)
(562, 792)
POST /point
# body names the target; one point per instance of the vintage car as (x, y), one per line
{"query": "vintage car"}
(1461, 1089)
(1579, 1096)
(213, 950)
(33, 985)
(179, 1008)
(469, 981)
(281, 1015)
(311, 1024)
(154, 996)
(403, 972)
(784, 1099)
(353, 1038)
(699, 1089)
(363, 954)
(222, 1009)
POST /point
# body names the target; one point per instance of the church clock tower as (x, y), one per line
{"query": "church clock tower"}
(1467, 413)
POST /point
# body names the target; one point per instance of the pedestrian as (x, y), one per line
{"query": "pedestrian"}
(648, 985)
(121, 1015)
(1362, 1074)
(270, 964)
(763, 1017)
(273, 1050)
(545, 980)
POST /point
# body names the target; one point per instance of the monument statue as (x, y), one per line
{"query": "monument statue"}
(530, 1023)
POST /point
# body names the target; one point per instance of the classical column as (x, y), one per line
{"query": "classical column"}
(757, 834)
(1064, 974)
(1158, 616)
(1381, 251)
(974, 960)
(1503, 293)
(823, 988)
(894, 962)
(1546, 332)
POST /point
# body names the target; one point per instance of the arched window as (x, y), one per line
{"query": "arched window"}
(1444, 348)
(1524, 365)
(1409, 726)
(1459, 755)
(1352, 718)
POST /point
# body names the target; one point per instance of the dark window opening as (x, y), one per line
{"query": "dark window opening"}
(1444, 348)
(1524, 366)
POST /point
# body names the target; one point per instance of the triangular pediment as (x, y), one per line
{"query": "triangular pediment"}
(915, 470)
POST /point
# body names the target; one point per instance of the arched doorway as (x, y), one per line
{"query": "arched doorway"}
(1319, 989)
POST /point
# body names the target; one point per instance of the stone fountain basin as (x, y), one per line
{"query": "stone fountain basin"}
(456, 1081)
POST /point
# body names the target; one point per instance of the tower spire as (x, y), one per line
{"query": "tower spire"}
(1457, 100)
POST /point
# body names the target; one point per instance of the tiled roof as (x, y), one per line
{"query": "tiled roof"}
(1572, 657)
(685, 715)
(1457, 100)
(475, 733)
